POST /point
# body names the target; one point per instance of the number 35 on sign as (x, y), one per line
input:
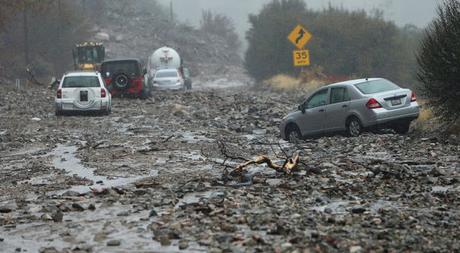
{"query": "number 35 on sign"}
(301, 58)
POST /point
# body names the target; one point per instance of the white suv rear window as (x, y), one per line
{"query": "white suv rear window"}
(81, 82)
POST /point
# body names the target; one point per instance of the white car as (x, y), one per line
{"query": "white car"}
(168, 79)
(83, 92)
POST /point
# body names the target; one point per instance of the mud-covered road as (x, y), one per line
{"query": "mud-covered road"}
(150, 178)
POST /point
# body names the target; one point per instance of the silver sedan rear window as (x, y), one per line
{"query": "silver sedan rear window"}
(81, 82)
(372, 87)
(166, 74)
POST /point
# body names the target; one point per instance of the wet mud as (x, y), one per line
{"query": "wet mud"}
(151, 178)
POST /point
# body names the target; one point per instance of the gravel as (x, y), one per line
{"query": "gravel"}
(166, 187)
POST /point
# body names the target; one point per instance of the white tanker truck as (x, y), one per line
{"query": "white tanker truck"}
(166, 58)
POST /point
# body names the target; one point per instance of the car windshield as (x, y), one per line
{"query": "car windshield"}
(125, 67)
(377, 86)
(81, 82)
(166, 74)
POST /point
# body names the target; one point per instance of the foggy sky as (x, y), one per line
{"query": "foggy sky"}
(417, 12)
(402, 12)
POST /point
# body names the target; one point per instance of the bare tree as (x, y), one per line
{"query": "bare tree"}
(439, 65)
(222, 26)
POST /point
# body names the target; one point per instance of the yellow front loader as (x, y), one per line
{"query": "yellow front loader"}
(88, 56)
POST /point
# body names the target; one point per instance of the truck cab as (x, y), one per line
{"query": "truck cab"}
(88, 56)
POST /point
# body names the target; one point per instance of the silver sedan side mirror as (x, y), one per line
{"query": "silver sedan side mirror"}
(302, 108)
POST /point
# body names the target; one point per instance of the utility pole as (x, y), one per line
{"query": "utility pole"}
(171, 19)
(83, 5)
(58, 36)
(59, 21)
(26, 33)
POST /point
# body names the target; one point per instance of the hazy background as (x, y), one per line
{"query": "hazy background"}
(402, 12)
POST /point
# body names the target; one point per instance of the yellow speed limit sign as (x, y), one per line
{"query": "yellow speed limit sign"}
(301, 58)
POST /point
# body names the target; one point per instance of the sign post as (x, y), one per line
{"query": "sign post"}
(300, 38)
(18, 84)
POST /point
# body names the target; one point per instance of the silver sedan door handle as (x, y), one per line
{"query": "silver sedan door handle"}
(322, 110)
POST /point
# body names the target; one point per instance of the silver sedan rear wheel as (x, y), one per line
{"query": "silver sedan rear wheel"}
(354, 127)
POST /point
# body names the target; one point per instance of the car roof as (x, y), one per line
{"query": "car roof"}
(353, 82)
(82, 73)
(122, 59)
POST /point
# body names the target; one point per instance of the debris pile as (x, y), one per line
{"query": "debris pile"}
(375, 192)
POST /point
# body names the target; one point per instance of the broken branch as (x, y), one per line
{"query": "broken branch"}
(287, 168)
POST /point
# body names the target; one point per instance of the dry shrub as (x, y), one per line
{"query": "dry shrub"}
(308, 80)
(425, 115)
(283, 82)
(428, 122)
(426, 119)
(289, 83)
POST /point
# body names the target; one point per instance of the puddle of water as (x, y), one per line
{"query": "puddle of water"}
(261, 169)
(191, 156)
(336, 207)
(383, 204)
(196, 197)
(124, 128)
(192, 138)
(37, 181)
(259, 132)
(343, 207)
(131, 230)
(65, 159)
(440, 189)
(11, 243)
(250, 137)
(38, 151)
(218, 84)
(373, 156)
(423, 167)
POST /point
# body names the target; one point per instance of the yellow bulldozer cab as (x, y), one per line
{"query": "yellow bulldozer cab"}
(88, 56)
(87, 66)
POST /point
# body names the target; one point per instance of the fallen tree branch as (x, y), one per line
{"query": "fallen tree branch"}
(288, 167)
(289, 164)
(227, 155)
(168, 138)
(222, 163)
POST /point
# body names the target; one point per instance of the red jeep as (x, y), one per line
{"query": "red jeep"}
(125, 78)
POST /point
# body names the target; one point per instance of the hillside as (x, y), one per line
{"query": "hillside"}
(139, 30)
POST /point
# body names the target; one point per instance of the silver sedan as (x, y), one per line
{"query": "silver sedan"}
(353, 106)
(168, 79)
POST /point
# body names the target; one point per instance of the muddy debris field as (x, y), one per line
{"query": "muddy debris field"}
(157, 176)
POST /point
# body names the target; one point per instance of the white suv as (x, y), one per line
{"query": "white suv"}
(83, 92)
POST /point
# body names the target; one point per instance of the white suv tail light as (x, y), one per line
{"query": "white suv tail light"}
(413, 97)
